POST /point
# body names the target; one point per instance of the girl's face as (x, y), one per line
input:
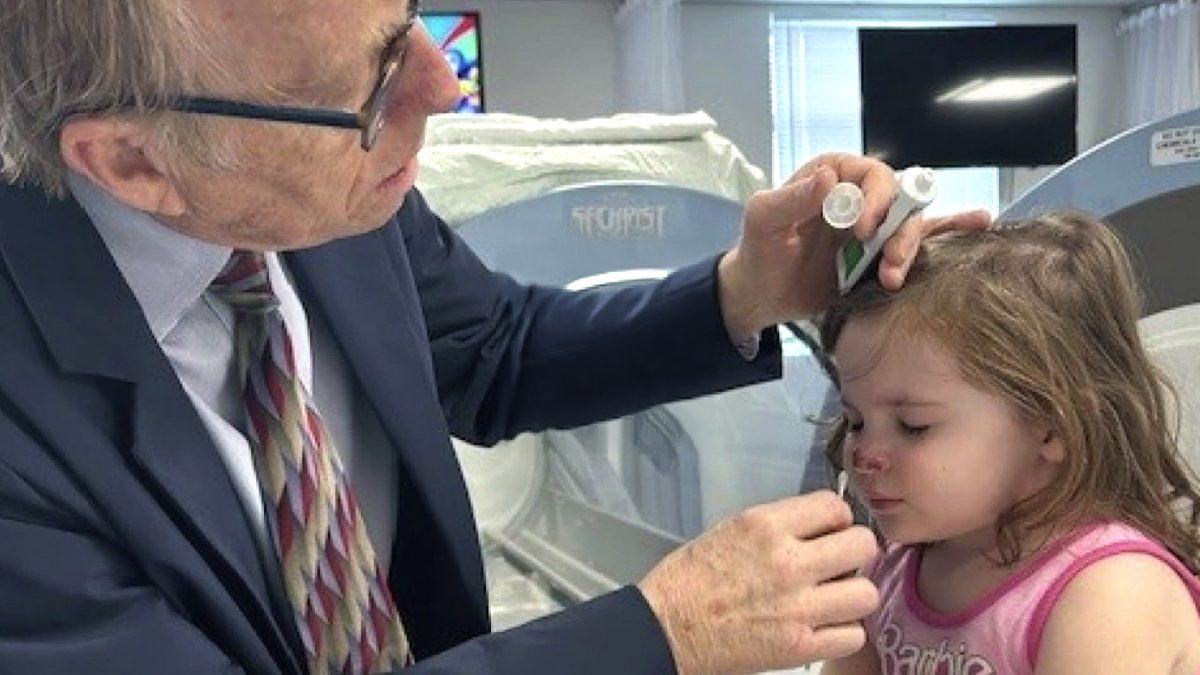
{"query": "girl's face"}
(934, 458)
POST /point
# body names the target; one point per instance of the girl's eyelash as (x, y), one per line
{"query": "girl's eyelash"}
(910, 429)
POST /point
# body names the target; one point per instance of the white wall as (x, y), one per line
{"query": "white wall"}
(556, 58)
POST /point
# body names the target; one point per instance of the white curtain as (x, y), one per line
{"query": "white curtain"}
(649, 57)
(1161, 50)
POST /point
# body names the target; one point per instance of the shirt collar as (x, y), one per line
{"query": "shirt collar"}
(167, 271)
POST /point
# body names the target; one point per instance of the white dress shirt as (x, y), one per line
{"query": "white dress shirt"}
(169, 274)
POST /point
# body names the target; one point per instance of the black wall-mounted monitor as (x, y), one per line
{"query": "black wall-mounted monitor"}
(970, 96)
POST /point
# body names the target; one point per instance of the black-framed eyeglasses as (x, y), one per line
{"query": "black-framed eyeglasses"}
(369, 118)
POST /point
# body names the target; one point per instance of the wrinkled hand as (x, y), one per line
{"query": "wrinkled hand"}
(783, 267)
(760, 591)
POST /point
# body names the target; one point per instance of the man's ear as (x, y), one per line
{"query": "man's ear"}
(1052, 449)
(117, 155)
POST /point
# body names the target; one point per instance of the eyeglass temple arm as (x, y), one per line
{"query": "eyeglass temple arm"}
(321, 116)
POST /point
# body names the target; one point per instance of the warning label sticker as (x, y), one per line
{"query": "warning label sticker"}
(1175, 146)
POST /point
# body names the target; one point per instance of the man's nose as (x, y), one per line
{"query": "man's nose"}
(427, 80)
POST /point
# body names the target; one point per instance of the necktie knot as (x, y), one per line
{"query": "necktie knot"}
(244, 284)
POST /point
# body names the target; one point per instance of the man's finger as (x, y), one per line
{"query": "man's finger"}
(834, 555)
(900, 251)
(841, 601)
(835, 642)
(979, 219)
(814, 514)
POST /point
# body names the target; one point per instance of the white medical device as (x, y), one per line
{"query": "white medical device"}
(917, 188)
(843, 205)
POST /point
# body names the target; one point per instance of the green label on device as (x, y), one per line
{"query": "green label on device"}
(852, 252)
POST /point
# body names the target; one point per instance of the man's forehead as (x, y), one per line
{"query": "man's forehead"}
(277, 14)
(298, 15)
(299, 41)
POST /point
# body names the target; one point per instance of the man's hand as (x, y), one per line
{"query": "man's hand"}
(783, 267)
(761, 591)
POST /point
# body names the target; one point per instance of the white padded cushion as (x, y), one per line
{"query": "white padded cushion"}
(471, 164)
(1173, 339)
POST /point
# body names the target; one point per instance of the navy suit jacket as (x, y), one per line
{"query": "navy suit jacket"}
(123, 547)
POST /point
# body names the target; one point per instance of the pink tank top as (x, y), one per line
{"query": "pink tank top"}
(1001, 631)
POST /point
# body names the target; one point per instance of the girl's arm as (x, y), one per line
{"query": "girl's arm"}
(1130, 613)
(863, 662)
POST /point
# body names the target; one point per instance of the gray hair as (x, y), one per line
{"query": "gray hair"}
(63, 57)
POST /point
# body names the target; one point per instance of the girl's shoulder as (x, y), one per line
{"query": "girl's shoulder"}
(1102, 552)
(1112, 577)
(1099, 543)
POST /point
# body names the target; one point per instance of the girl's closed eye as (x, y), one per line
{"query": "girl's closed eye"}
(854, 425)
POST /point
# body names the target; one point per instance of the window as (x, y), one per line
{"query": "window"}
(815, 108)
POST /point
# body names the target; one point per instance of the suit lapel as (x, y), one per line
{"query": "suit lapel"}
(177, 457)
(93, 326)
(372, 307)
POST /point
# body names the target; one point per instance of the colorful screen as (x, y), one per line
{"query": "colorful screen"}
(457, 33)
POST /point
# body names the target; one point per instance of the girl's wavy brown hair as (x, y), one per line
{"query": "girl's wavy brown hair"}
(1044, 313)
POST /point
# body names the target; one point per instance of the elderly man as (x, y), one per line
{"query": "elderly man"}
(235, 342)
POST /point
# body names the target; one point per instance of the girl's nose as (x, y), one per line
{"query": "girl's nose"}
(867, 461)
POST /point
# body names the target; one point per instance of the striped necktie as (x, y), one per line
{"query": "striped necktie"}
(343, 608)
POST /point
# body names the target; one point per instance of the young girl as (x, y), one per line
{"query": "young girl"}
(1010, 438)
